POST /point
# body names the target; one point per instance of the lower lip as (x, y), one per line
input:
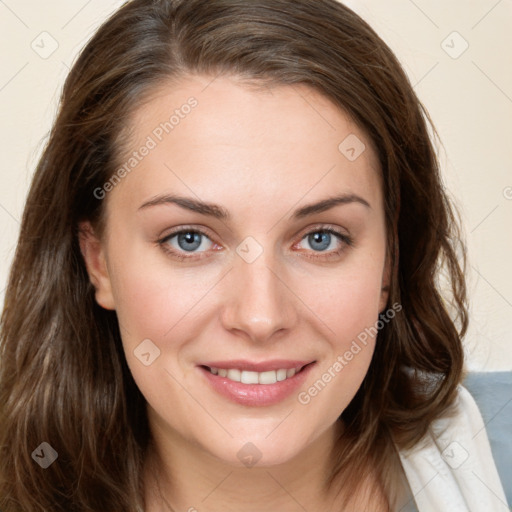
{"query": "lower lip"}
(256, 395)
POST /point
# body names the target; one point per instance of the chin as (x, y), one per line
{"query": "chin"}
(264, 448)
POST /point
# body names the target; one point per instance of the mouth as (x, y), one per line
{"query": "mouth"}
(256, 384)
(254, 377)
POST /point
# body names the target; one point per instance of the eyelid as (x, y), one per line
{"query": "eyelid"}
(322, 227)
(186, 229)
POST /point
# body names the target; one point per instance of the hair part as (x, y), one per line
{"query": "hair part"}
(63, 376)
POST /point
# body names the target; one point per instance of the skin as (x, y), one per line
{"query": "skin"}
(260, 154)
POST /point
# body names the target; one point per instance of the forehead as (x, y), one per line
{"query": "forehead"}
(220, 136)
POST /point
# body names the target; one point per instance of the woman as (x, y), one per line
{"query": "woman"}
(225, 292)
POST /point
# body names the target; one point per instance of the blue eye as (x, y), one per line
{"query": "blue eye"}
(188, 241)
(326, 240)
(320, 240)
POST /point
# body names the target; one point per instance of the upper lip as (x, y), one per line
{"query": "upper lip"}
(262, 366)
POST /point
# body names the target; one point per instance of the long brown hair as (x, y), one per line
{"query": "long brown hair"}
(63, 376)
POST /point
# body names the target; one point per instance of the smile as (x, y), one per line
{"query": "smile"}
(248, 377)
(256, 384)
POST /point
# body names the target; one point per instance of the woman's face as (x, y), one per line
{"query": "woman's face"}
(245, 243)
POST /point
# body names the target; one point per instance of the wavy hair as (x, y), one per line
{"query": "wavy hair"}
(63, 375)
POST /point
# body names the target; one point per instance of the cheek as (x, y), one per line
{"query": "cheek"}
(152, 296)
(351, 316)
(347, 299)
(156, 302)
(348, 304)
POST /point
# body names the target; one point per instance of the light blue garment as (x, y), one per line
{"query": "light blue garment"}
(492, 392)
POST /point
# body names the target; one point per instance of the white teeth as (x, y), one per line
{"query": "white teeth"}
(281, 375)
(247, 377)
(234, 374)
(269, 377)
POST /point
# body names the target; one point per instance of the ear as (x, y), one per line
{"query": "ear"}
(93, 253)
(386, 278)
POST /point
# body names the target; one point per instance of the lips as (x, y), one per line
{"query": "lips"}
(262, 366)
(256, 384)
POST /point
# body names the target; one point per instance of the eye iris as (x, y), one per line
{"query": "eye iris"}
(320, 240)
(189, 241)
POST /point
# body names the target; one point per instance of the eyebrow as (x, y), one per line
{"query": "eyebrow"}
(221, 213)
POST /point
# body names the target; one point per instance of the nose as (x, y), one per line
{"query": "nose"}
(260, 304)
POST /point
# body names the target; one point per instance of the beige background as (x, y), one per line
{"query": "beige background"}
(468, 92)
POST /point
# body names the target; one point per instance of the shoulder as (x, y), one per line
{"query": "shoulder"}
(453, 469)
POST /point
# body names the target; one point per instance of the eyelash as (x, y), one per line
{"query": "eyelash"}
(346, 239)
